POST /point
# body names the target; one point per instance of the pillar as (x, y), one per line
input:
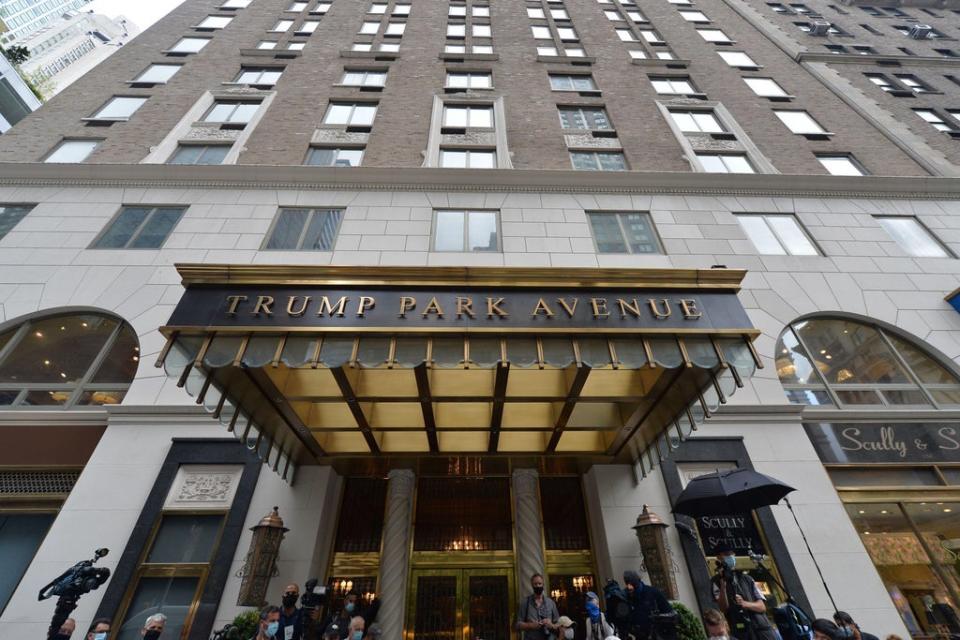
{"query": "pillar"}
(529, 533)
(395, 558)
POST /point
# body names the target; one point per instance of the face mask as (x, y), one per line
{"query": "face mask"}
(594, 610)
(538, 590)
(289, 601)
(151, 634)
(730, 561)
(272, 629)
(846, 632)
(358, 635)
(568, 633)
(349, 607)
(62, 636)
(100, 636)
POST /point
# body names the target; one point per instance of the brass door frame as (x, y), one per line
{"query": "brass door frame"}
(462, 629)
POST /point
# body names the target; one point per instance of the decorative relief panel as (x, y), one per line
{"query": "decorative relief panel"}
(326, 136)
(204, 487)
(587, 141)
(705, 142)
(204, 131)
(485, 138)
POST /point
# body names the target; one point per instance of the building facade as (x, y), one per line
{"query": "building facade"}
(21, 18)
(462, 287)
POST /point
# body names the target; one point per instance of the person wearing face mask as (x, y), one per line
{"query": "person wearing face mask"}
(716, 624)
(153, 627)
(66, 629)
(356, 628)
(824, 629)
(646, 601)
(737, 595)
(849, 628)
(291, 617)
(538, 614)
(565, 629)
(341, 618)
(99, 629)
(269, 626)
(596, 624)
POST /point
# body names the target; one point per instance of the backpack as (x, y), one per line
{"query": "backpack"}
(792, 622)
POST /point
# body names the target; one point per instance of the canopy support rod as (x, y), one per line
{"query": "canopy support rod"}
(346, 390)
(633, 425)
(426, 406)
(573, 394)
(499, 394)
(271, 394)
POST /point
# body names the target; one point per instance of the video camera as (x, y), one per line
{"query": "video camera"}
(78, 580)
(314, 595)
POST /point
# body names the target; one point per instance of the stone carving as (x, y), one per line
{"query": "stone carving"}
(204, 487)
(486, 138)
(705, 142)
(394, 558)
(526, 497)
(587, 141)
(339, 136)
(203, 131)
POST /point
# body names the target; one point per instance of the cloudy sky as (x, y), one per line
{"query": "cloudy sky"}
(142, 12)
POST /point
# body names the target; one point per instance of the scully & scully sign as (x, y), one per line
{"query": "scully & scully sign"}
(911, 442)
(462, 308)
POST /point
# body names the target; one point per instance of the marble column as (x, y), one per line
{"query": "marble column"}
(526, 506)
(395, 558)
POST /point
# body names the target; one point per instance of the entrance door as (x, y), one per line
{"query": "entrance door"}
(460, 604)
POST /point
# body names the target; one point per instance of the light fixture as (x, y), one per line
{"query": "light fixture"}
(46, 362)
(261, 562)
(862, 511)
(822, 351)
(947, 510)
(39, 334)
(656, 555)
(84, 324)
(63, 375)
(883, 511)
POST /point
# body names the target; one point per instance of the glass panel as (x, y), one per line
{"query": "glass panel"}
(57, 350)
(361, 517)
(793, 363)
(606, 232)
(322, 231)
(7, 397)
(946, 396)
(169, 596)
(564, 514)
(630, 352)
(522, 352)
(121, 363)
(298, 350)
(640, 234)
(463, 514)
(20, 537)
(448, 352)
(101, 398)
(848, 396)
(373, 351)
(911, 236)
(46, 398)
(849, 352)
(887, 477)
(483, 231)
(436, 608)
(153, 234)
(904, 396)
(489, 615)
(286, 233)
(792, 236)
(485, 351)
(336, 351)
(558, 352)
(10, 216)
(809, 396)
(595, 352)
(666, 352)
(122, 228)
(187, 154)
(72, 151)
(449, 231)
(120, 107)
(189, 538)
(411, 351)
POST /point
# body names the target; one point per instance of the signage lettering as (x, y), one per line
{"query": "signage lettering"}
(910, 442)
(738, 531)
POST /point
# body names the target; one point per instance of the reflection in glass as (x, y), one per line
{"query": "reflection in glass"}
(848, 352)
(483, 231)
(449, 231)
(169, 596)
(185, 539)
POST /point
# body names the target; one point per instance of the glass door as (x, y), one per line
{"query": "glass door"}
(460, 604)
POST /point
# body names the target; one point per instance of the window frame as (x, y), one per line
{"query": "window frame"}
(312, 211)
(468, 151)
(313, 148)
(469, 75)
(582, 109)
(353, 108)
(4, 206)
(739, 154)
(948, 253)
(66, 141)
(138, 79)
(205, 146)
(174, 50)
(849, 158)
(818, 251)
(236, 104)
(154, 208)
(466, 231)
(619, 217)
(596, 156)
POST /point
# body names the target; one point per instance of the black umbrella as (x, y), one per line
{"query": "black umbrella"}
(733, 491)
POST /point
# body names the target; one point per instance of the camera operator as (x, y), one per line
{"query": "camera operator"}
(646, 602)
(737, 595)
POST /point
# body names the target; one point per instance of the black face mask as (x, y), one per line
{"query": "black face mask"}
(62, 636)
(152, 634)
(289, 601)
(538, 590)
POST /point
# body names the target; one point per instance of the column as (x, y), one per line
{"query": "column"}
(526, 506)
(395, 559)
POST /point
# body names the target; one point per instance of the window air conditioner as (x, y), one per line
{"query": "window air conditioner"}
(820, 28)
(920, 31)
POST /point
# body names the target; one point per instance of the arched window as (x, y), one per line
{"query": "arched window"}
(843, 362)
(67, 360)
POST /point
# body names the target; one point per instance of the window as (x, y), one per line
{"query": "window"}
(351, 114)
(20, 536)
(157, 73)
(825, 360)
(304, 230)
(370, 28)
(697, 122)
(766, 87)
(624, 233)
(777, 235)
(468, 117)
(567, 34)
(593, 118)
(572, 83)
(935, 120)
(714, 35)
(613, 15)
(535, 14)
(296, 46)
(322, 8)
(947, 53)
(402, 9)
(231, 112)
(541, 33)
(779, 8)
(281, 26)
(914, 83)
(836, 48)
(466, 231)
(598, 160)
(469, 80)
(651, 36)
(725, 163)
(364, 78)
(308, 26)
(334, 157)
(139, 228)
(454, 48)
(694, 16)
(189, 45)
(468, 159)
(119, 108)
(737, 59)
(265, 45)
(881, 81)
(458, 11)
(636, 16)
(456, 31)
(236, 4)
(10, 216)
(626, 35)
(559, 14)
(68, 360)
(481, 31)
(200, 154)
(841, 165)
(800, 122)
(546, 51)
(377, 8)
(913, 237)
(397, 29)
(389, 47)
(672, 85)
(72, 151)
(297, 6)
(259, 76)
(864, 50)
(480, 12)
(214, 22)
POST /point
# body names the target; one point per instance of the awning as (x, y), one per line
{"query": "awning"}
(609, 365)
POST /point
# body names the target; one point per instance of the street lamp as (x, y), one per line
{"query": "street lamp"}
(261, 563)
(656, 556)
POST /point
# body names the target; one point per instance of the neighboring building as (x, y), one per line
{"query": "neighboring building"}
(16, 98)
(466, 290)
(69, 47)
(20, 18)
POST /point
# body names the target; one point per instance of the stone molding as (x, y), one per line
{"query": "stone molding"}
(202, 487)
(395, 558)
(529, 527)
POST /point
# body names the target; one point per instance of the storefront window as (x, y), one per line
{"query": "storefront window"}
(849, 363)
(914, 547)
(20, 537)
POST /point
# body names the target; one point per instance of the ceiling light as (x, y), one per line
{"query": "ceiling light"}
(39, 334)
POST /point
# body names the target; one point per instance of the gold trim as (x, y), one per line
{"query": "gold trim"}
(749, 332)
(529, 277)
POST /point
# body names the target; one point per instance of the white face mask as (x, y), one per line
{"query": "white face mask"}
(568, 633)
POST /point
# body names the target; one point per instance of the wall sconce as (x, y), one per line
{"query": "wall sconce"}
(261, 562)
(656, 558)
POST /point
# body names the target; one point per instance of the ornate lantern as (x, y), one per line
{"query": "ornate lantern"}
(261, 562)
(656, 556)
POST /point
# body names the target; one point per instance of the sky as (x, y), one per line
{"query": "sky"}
(142, 12)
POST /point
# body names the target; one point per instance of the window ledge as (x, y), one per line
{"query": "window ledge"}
(179, 54)
(823, 135)
(143, 85)
(460, 57)
(462, 90)
(270, 53)
(659, 62)
(370, 55)
(786, 98)
(103, 122)
(581, 61)
(244, 85)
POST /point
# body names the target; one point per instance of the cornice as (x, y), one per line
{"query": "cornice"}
(891, 61)
(245, 177)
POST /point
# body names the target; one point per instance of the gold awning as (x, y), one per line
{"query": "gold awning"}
(310, 395)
